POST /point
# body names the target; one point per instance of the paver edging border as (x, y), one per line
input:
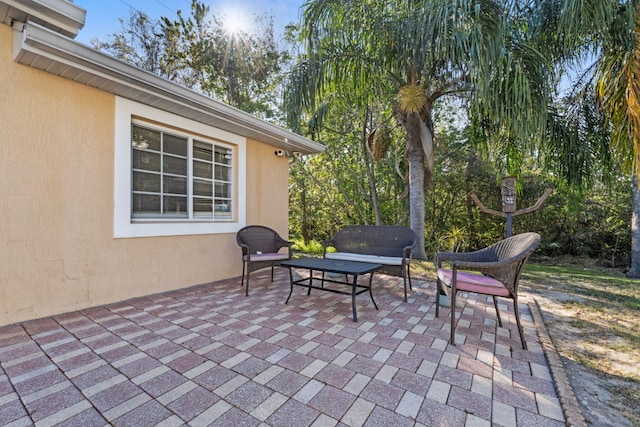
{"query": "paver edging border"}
(568, 401)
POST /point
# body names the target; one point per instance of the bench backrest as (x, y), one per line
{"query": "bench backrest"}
(383, 240)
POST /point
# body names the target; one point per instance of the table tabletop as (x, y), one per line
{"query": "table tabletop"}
(332, 265)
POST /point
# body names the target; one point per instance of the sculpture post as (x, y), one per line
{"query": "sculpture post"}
(509, 200)
(509, 203)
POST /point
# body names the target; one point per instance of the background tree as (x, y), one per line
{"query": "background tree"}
(356, 178)
(606, 33)
(424, 51)
(241, 68)
(140, 42)
(237, 67)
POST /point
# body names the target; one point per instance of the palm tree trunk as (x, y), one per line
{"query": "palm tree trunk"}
(417, 176)
(634, 272)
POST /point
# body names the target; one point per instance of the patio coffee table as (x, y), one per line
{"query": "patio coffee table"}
(347, 268)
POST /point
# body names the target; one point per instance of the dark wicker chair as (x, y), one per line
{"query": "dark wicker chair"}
(389, 245)
(260, 249)
(500, 265)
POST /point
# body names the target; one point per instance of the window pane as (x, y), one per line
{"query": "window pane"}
(145, 138)
(146, 205)
(146, 161)
(223, 155)
(148, 182)
(174, 165)
(165, 185)
(202, 188)
(202, 169)
(223, 190)
(223, 209)
(223, 173)
(202, 208)
(174, 185)
(175, 145)
(175, 206)
(202, 150)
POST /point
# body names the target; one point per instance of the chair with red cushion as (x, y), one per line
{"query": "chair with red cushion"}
(261, 248)
(499, 265)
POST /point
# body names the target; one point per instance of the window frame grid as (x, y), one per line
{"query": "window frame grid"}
(190, 177)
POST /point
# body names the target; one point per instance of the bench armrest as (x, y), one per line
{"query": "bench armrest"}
(325, 244)
(406, 253)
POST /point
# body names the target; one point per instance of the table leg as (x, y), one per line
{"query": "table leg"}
(291, 282)
(353, 297)
(310, 281)
(370, 293)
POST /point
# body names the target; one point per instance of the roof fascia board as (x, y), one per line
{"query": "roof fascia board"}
(59, 15)
(34, 41)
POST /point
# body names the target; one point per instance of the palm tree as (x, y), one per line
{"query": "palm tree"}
(608, 32)
(425, 51)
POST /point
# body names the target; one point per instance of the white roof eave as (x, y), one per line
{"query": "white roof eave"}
(58, 15)
(46, 50)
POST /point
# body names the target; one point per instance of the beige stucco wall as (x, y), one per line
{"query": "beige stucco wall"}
(267, 187)
(57, 251)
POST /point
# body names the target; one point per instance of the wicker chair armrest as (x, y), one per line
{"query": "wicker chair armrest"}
(458, 256)
(469, 263)
(505, 271)
(281, 243)
(245, 248)
(482, 266)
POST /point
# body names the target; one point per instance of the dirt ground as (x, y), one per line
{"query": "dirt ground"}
(606, 393)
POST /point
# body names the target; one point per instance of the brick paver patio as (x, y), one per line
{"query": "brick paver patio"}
(209, 355)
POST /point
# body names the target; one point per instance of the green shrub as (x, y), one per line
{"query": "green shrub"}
(312, 247)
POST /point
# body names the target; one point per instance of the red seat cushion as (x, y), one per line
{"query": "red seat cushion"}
(470, 282)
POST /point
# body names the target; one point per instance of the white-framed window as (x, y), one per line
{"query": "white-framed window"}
(175, 176)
